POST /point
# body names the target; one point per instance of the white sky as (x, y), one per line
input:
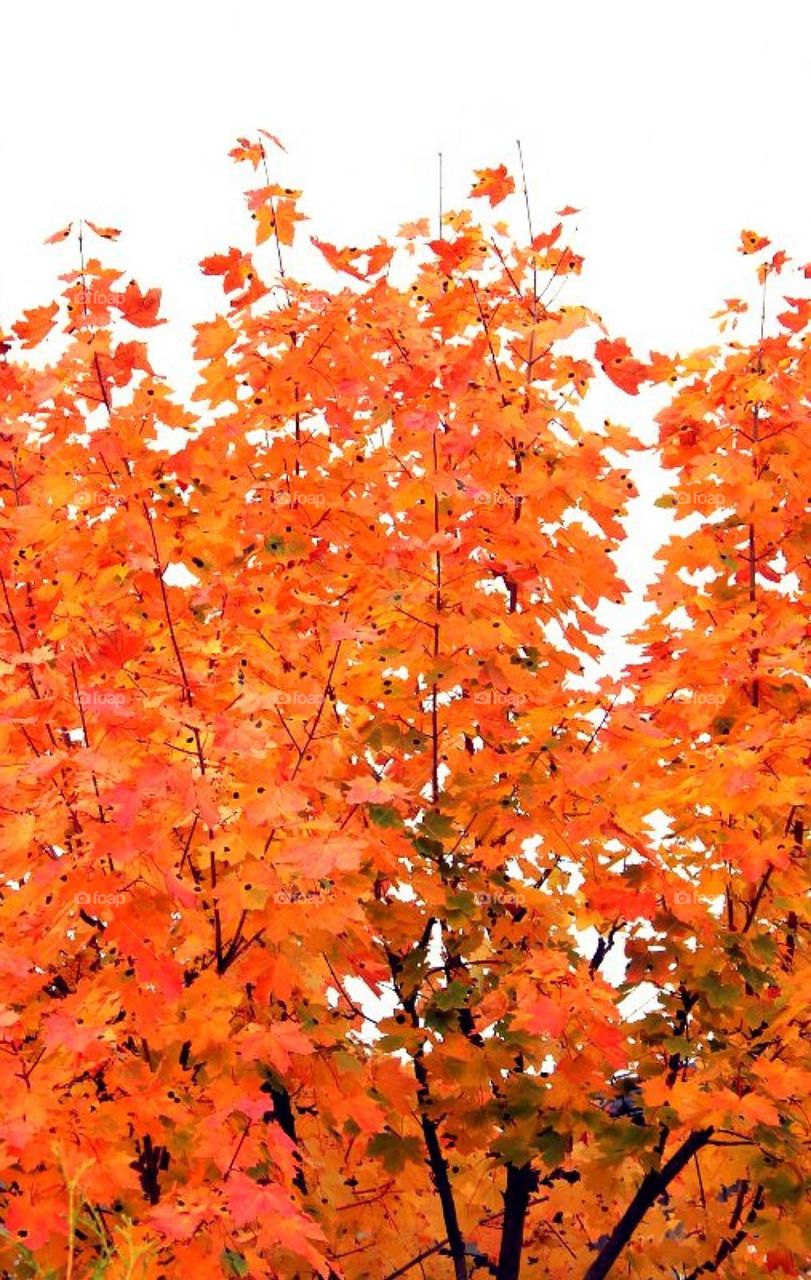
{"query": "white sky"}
(672, 125)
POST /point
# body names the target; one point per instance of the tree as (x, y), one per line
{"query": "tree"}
(310, 795)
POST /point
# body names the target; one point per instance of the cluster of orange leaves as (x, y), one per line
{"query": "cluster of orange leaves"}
(319, 834)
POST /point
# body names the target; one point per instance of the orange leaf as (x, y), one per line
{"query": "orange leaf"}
(106, 233)
(339, 259)
(547, 239)
(797, 319)
(493, 184)
(541, 1015)
(38, 323)
(140, 309)
(59, 235)
(751, 242)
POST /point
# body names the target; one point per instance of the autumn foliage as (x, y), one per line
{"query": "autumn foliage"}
(356, 920)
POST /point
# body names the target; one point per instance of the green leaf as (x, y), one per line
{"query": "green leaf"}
(234, 1263)
(451, 997)
(394, 1151)
(552, 1146)
(382, 815)
(461, 903)
(624, 1137)
(431, 848)
(438, 826)
(525, 1096)
(764, 946)
(717, 995)
(512, 1148)
(782, 1186)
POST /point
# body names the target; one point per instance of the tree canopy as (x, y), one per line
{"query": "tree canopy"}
(354, 921)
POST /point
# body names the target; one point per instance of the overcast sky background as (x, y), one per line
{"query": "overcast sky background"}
(672, 126)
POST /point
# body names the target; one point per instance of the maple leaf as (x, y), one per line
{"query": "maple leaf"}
(320, 857)
(620, 365)
(38, 323)
(798, 317)
(340, 259)
(368, 791)
(378, 258)
(180, 1221)
(283, 1042)
(57, 236)
(106, 233)
(493, 184)
(415, 230)
(621, 901)
(547, 239)
(541, 1015)
(285, 217)
(454, 253)
(35, 1219)
(751, 242)
(245, 150)
(251, 1201)
(140, 309)
(214, 338)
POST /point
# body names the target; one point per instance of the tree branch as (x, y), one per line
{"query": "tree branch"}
(522, 1180)
(651, 1186)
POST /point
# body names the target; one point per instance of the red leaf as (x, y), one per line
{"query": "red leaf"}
(620, 365)
(621, 901)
